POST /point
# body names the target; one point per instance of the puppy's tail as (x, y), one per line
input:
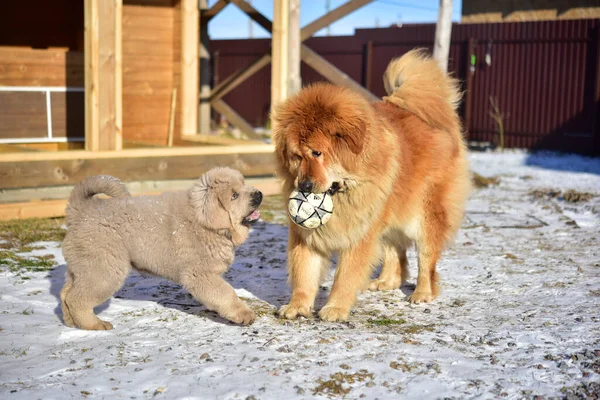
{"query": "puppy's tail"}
(94, 185)
(416, 83)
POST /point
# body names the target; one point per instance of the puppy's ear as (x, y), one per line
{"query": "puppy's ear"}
(204, 200)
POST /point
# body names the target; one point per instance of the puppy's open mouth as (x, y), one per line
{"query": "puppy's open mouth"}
(250, 219)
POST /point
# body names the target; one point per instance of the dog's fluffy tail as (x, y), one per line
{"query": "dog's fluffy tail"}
(416, 83)
(94, 185)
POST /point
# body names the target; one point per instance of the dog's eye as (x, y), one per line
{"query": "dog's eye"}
(235, 195)
(316, 153)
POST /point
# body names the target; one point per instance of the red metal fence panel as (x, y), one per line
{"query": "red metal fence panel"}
(545, 76)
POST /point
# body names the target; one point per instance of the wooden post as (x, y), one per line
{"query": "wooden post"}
(294, 40)
(443, 33)
(204, 107)
(279, 52)
(103, 75)
(190, 30)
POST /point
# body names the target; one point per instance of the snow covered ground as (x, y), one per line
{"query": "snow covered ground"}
(519, 315)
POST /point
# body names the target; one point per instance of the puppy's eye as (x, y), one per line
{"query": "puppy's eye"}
(235, 195)
(316, 153)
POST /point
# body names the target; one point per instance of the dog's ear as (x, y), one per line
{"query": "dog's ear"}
(354, 139)
(350, 128)
(204, 199)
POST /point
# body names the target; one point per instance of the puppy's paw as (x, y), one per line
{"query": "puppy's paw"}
(334, 314)
(242, 315)
(293, 311)
(382, 284)
(421, 297)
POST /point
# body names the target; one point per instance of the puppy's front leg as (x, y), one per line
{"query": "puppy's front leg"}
(306, 269)
(216, 294)
(352, 274)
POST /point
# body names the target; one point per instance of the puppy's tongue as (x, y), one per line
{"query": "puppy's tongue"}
(254, 216)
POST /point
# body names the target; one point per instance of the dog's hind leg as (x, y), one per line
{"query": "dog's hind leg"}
(67, 318)
(86, 291)
(394, 271)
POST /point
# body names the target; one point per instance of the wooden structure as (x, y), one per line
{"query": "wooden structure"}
(107, 74)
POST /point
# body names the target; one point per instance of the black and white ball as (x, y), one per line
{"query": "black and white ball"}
(310, 210)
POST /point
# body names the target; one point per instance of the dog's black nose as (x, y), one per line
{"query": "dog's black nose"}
(305, 186)
(256, 198)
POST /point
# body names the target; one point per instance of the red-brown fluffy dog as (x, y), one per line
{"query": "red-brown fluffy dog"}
(399, 172)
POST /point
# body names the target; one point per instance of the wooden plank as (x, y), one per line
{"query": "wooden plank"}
(219, 140)
(214, 10)
(189, 66)
(294, 83)
(279, 52)
(135, 153)
(57, 207)
(33, 209)
(253, 13)
(331, 17)
(221, 107)
(204, 101)
(109, 64)
(332, 73)
(234, 80)
(92, 75)
(63, 171)
(118, 66)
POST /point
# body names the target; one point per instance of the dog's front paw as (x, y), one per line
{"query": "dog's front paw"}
(293, 311)
(334, 314)
(421, 297)
(383, 284)
(242, 315)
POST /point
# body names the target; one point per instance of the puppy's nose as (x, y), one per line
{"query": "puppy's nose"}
(257, 198)
(305, 186)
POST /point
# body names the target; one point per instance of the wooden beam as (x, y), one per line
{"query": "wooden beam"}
(103, 74)
(269, 186)
(294, 83)
(331, 17)
(229, 113)
(279, 52)
(204, 106)
(208, 14)
(256, 160)
(332, 73)
(255, 14)
(232, 81)
(190, 26)
(220, 140)
(92, 75)
(235, 79)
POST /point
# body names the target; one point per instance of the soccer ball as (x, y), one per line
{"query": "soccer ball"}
(310, 210)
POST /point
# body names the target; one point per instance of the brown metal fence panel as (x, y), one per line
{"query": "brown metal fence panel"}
(544, 75)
